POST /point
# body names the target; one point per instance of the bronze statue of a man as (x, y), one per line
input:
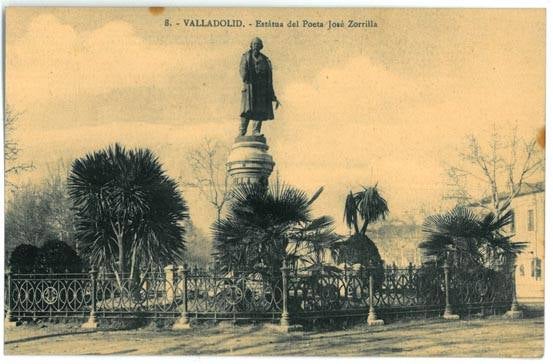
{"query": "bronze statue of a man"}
(258, 93)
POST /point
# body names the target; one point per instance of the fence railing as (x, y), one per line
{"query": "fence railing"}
(281, 296)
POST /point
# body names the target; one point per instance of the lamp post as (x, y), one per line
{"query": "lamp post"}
(183, 323)
(515, 312)
(92, 322)
(284, 324)
(372, 319)
(448, 313)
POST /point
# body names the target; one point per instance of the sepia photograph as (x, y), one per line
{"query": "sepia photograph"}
(241, 181)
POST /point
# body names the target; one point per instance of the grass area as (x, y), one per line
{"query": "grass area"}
(491, 337)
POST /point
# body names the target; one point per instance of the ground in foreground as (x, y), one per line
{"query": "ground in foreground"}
(492, 337)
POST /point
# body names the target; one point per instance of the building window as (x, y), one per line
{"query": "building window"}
(536, 268)
(521, 270)
(513, 226)
(530, 220)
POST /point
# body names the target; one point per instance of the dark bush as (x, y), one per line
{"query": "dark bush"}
(360, 249)
(24, 258)
(58, 257)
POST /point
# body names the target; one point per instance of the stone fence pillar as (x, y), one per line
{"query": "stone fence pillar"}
(170, 276)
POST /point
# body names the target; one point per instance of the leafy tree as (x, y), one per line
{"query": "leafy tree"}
(266, 225)
(24, 258)
(127, 210)
(469, 239)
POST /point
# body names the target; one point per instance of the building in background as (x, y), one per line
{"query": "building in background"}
(528, 226)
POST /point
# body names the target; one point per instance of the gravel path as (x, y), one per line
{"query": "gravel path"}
(493, 337)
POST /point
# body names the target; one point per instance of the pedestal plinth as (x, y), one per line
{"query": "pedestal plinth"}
(249, 161)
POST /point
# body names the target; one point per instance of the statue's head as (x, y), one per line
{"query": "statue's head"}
(256, 44)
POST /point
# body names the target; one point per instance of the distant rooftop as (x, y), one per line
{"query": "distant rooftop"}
(525, 189)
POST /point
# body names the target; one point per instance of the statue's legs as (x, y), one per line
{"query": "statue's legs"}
(256, 127)
(243, 126)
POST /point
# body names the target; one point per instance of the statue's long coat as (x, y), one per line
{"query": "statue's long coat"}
(257, 93)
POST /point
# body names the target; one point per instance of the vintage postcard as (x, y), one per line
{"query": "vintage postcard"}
(274, 181)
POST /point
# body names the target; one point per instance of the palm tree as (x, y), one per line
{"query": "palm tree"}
(473, 240)
(127, 209)
(366, 206)
(266, 226)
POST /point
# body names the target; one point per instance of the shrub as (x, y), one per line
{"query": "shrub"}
(24, 258)
(54, 256)
(58, 257)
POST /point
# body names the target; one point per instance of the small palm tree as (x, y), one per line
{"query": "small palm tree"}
(268, 225)
(473, 240)
(365, 207)
(127, 209)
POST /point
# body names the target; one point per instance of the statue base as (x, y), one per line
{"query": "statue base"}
(249, 162)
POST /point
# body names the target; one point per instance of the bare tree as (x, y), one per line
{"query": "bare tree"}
(11, 147)
(208, 173)
(38, 212)
(497, 169)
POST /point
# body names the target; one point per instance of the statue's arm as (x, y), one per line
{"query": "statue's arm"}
(244, 67)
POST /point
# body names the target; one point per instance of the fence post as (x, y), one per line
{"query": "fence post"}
(448, 314)
(183, 323)
(9, 321)
(92, 322)
(515, 312)
(285, 316)
(372, 320)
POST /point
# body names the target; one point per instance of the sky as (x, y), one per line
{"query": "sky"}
(390, 105)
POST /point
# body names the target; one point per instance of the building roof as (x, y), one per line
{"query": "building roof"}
(525, 189)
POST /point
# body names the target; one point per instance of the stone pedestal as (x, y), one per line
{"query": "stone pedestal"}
(182, 323)
(372, 320)
(249, 161)
(515, 315)
(450, 316)
(92, 322)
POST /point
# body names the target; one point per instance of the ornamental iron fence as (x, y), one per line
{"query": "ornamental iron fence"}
(285, 295)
